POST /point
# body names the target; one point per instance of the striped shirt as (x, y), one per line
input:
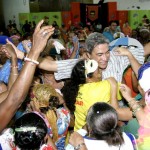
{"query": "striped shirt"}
(115, 68)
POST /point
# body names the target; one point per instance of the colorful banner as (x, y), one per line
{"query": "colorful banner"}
(92, 12)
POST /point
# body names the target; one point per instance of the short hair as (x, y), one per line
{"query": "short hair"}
(30, 130)
(113, 21)
(102, 121)
(95, 39)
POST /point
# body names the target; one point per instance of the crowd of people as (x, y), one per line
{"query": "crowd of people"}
(54, 81)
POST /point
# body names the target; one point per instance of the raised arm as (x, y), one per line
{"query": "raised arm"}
(136, 108)
(21, 86)
(44, 63)
(133, 61)
(8, 49)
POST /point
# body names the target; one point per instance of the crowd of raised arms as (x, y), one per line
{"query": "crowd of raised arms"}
(56, 82)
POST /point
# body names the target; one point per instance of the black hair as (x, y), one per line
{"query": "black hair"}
(102, 122)
(71, 87)
(144, 36)
(113, 21)
(25, 137)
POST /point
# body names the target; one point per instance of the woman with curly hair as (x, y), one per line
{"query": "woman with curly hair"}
(45, 100)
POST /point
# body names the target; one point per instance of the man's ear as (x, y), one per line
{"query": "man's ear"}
(88, 55)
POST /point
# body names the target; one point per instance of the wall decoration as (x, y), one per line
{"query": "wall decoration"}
(92, 12)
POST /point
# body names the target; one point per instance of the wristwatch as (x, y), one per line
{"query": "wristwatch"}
(79, 146)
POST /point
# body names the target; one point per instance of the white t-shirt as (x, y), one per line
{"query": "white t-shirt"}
(100, 144)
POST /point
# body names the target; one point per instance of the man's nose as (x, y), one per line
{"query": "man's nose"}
(104, 57)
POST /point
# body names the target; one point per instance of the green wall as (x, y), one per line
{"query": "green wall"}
(135, 17)
(53, 16)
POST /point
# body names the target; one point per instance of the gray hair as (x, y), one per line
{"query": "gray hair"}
(95, 39)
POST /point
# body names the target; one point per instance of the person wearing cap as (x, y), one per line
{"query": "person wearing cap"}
(85, 89)
(142, 114)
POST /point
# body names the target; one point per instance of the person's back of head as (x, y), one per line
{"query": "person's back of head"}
(30, 130)
(46, 100)
(144, 36)
(102, 122)
(95, 39)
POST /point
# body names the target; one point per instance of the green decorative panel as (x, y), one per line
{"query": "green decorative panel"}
(53, 16)
(135, 17)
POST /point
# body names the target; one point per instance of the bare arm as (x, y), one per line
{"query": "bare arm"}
(47, 64)
(76, 139)
(75, 48)
(134, 83)
(14, 69)
(20, 88)
(124, 114)
(126, 92)
(133, 61)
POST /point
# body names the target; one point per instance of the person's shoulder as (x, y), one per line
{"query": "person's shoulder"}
(106, 29)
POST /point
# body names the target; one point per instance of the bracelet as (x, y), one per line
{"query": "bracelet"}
(79, 146)
(14, 66)
(136, 109)
(31, 60)
(25, 55)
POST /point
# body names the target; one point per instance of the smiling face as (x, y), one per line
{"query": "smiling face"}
(101, 54)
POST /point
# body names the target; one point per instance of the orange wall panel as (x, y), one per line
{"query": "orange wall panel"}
(122, 16)
(75, 12)
(66, 18)
(112, 11)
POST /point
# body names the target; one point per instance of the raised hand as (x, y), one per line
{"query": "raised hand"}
(9, 51)
(122, 51)
(27, 45)
(40, 36)
(126, 92)
(19, 53)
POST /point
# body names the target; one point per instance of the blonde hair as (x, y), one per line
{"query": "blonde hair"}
(46, 96)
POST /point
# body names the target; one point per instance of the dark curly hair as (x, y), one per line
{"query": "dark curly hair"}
(30, 130)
